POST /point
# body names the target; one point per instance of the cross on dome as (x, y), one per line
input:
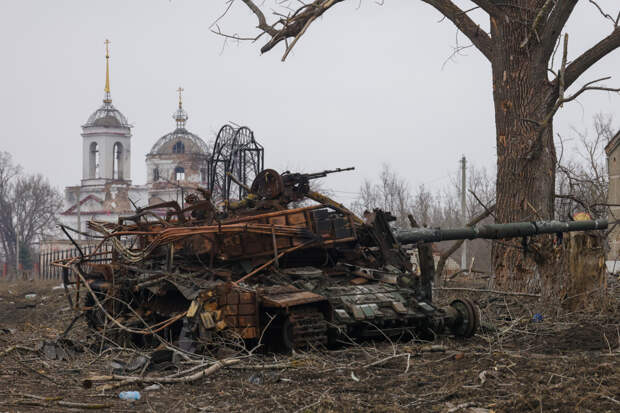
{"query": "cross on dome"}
(180, 115)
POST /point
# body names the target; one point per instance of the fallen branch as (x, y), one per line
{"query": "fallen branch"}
(58, 401)
(88, 406)
(476, 290)
(383, 360)
(162, 380)
(17, 347)
(274, 366)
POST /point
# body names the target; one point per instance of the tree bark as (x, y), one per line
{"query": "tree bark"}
(526, 157)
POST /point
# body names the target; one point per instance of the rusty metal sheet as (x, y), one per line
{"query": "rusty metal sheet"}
(288, 297)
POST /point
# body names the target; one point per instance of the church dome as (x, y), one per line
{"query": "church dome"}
(179, 141)
(107, 116)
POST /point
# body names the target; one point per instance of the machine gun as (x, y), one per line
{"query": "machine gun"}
(288, 186)
(301, 182)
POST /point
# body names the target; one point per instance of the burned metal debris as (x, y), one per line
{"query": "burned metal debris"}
(270, 269)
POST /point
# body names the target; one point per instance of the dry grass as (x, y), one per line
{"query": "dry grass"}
(562, 364)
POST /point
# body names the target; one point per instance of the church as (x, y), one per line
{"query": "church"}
(177, 162)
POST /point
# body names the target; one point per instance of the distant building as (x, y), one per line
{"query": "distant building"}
(613, 195)
(177, 159)
(177, 162)
(105, 190)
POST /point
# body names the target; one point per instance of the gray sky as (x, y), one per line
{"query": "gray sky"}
(363, 87)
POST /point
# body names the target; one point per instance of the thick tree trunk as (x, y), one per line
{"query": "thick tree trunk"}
(586, 286)
(526, 161)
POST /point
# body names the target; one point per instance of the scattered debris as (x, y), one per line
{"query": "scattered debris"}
(256, 378)
(561, 356)
(152, 387)
(129, 395)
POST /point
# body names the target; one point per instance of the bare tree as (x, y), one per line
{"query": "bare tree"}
(424, 206)
(528, 90)
(391, 193)
(8, 173)
(480, 197)
(439, 208)
(583, 180)
(28, 205)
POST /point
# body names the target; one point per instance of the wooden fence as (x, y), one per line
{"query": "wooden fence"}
(42, 268)
(49, 271)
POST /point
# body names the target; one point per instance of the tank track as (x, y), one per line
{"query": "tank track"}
(306, 327)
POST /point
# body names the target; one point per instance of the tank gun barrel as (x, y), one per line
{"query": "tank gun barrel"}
(498, 231)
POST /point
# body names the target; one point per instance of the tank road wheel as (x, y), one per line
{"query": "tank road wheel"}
(469, 318)
(303, 328)
(287, 335)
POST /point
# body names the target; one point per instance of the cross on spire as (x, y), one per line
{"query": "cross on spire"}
(180, 90)
(180, 115)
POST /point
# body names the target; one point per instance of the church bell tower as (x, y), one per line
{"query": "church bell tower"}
(106, 141)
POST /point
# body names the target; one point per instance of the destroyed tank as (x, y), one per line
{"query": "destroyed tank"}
(267, 269)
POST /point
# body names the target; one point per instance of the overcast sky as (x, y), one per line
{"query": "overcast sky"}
(364, 86)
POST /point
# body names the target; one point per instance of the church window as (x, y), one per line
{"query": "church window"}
(179, 173)
(156, 174)
(117, 166)
(178, 147)
(203, 175)
(93, 170)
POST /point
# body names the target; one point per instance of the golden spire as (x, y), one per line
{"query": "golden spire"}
(180, 115)
(180, 90)
(107, 72)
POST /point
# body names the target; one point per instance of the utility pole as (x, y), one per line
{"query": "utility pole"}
(17, 250)
(463, 210)
(79, 215)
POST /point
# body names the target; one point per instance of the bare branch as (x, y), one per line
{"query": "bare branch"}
(540, 16)
(552, 28)
(490, 7)
(561, 99)
(591, 56)
(607, 16)
(229, 4)
(234, 36)
(295, 25)
(562, 71)
(465, 24)
(588, 86)
(262, 21)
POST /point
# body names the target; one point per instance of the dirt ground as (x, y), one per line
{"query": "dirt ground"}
(565, 364)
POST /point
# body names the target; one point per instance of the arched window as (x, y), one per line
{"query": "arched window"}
(179, 173)
(117, 165)
(178, 147)
(203, 175)
(93, 164)
(156, 174)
